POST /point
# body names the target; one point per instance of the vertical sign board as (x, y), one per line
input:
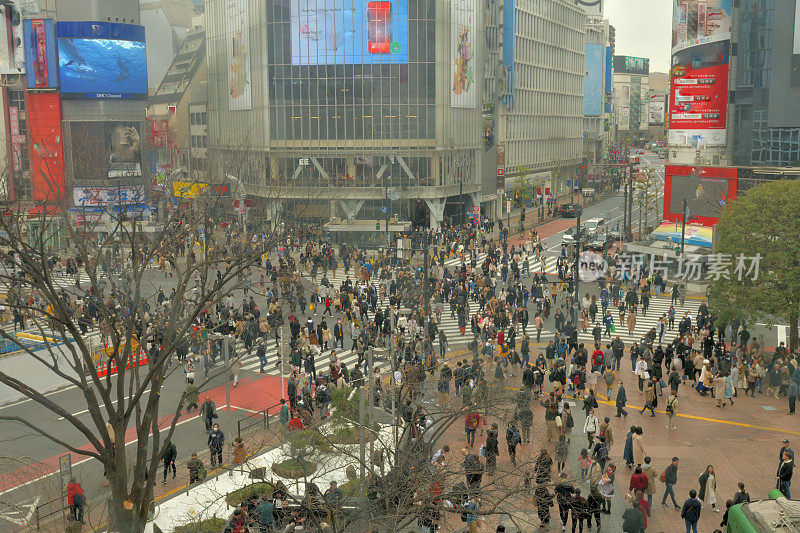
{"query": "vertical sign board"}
(47, 150)
(509, 20)
(16, 139)
(40, 60)
(65, 469)
(237, 18)
(501, 168)
(463, 15)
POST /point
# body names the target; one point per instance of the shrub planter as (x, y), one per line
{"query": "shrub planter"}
(294, 468)
(212, 525)
(236, 497)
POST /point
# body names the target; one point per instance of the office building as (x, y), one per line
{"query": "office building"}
(631, 85)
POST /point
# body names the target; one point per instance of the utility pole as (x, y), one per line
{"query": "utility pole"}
(630, 199)
(640, 196)
(683, 225)
(624, 232)
(386, 218)
(282, 355)
(575, 277)
(371, 383)
(362, 444)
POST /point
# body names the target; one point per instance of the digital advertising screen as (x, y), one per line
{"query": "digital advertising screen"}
(593, 80)
(707, 191)
(463, 15)
(238, 41)
(631, 65)
(698, 98)
(102, 60)
(349, 32)
(40, 59)
(697, 22)
(102, 150)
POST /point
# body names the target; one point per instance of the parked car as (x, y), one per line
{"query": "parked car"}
(568, 210)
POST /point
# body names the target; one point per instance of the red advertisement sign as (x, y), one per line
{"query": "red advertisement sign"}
(47, 154)
(699, 97)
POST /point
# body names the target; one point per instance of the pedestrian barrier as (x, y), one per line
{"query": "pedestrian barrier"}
(107, 366)
(261, 418)
(45, 511)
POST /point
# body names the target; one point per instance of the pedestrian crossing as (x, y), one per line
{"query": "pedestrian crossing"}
(644, 323)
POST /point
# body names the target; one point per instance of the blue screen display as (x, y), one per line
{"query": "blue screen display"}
(349, 32)
(102, 68)
(593, 80)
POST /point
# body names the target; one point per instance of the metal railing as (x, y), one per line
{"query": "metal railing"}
(44, 511)
(261, 418)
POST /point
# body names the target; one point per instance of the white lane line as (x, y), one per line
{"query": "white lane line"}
(40, 478)
(86, 410)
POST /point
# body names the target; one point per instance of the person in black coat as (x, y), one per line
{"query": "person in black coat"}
(622, 400)
(491, 449)
(784, 476)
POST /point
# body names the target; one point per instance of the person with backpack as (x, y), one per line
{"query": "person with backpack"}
(197, 470)
(471, 423)
(671, 409)
(670, 478)
(567, 422)
(600, 451)
(609, 377)
(208, 412)
(513, 438)
(590, 426)
(169, 455)
(75, 500)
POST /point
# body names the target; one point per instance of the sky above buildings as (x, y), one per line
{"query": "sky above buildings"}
(643, 29)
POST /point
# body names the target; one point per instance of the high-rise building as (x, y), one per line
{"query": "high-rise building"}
(537, 121)
(75, 85)
(765, 84)
(342, 119)
(631, 86)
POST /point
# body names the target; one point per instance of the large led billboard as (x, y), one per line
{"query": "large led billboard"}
(103, 150)
(631, 65)
(696, 22)
(707, 191)
(593, 80)
(698, 97)
(102, 60)
(40, 59)
(349, 32)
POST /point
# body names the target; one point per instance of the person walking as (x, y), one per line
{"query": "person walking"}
(197, 470)
(633, 519)
(622, 401)
(75, 500)
(564, 491)
(690, 512)
(169, 455)
(784, 476)
(638, 447)
(513, 438)
(670, 478)
(792, 392)
(208, 412)
(649, 397)
(672, 409)
(708, 487)
(591, 426)
(491, 449)
(216, 440)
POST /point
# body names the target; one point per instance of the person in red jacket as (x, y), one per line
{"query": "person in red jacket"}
(639, 481)
(75, 500)
(598, 359)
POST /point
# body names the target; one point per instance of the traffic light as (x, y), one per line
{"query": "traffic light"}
(378, 225)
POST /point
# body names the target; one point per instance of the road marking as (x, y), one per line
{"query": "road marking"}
(86, 410)
(40, 478)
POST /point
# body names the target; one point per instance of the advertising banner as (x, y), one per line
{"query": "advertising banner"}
(462, 49)
(47, 154)
(656, 110)
(509, 49)
(631, 65)
(107, 196)
(41, 61)
(237, 18)
(593, 80)
(696, 22)
(698, 97)
(707, 190)
(349, 32)
(102, 60)
(102, 150)
(609, 69)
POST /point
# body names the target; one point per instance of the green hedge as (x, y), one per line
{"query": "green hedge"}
(212, 525)
(294, 468)
(262, 488)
